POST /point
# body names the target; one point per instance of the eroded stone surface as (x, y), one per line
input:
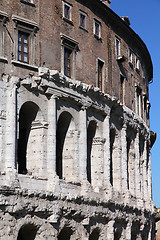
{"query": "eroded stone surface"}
(102, 186)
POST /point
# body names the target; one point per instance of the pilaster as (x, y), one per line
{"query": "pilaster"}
(128, 231)
(51, 138)
(144, 167)
(137, 165)
(149, 174)
(110, 230)
(106, 134)
(124, 159)
(11, 129)
(83, 145)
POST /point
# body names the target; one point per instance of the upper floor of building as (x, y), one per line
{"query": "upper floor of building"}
(84, 40)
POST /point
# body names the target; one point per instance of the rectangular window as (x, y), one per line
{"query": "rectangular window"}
(69, 48)
(23, 47)
(83, 20)
(24, 42)
(97, 29)
(138, 101)
(137, 64)
(130, 56)
(117, 47)
(122, 89)
(67, 11)
(67, 62)
(100, 74)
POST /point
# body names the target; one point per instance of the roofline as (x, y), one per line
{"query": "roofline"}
(140, 43)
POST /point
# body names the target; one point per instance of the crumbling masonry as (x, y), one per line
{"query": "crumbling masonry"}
(74, 141)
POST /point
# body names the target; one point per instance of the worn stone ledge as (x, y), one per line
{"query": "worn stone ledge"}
(51, 82)
(78, 200)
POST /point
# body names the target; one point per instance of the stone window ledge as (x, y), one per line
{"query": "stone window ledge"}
(83, 28)
(25, 65)
(68, 20)
(98, 38)
(3, 59)
(28, 3)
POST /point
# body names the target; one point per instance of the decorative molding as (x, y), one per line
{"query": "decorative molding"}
(4, 17)
(50, 83)
(25, 65)
(3, 59)
(21, 21)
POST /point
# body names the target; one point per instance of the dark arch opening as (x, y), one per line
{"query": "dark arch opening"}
(117, 234)
(135, 230)
(91, 131)
(128, 149)
(62, 128)
(112, 139)
(94, 235)
(27, 115)
(65, 233)
(26, 232)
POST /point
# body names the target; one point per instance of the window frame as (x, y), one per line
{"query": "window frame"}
(72, 46)
(100, 74)
(67, 61)
(117, 47)
(22, 52)
(137, 63)
(138, 97)
(98, 36)
(131, 57)
(30, 28)
(69, 18)
(82, 13)
(122, 88)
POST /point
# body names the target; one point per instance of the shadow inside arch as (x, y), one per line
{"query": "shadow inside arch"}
(27, 232)
(65, 233)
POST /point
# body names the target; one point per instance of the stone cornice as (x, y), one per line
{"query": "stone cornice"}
(23, 21)
(53, 83)
(114, 20)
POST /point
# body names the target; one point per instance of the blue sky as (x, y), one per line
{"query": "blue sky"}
(144, 16)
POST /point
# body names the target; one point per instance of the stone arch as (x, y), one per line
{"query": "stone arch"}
(27, 231)
(95, 234)
(30, 149)
(66, 147)
(65, 233)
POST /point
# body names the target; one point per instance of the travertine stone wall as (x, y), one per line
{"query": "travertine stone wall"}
(75, 162)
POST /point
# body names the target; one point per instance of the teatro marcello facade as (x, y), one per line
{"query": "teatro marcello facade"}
(74, 123)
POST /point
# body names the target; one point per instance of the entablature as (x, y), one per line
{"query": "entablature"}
(50, 82)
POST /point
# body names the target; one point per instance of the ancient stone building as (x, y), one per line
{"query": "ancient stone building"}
(74, 123)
